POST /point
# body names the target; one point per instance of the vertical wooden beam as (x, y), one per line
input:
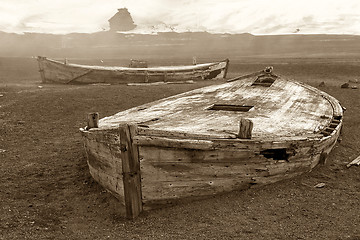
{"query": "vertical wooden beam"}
(146, 76)
(165, 76)
(226, 67)
(245, 128)
(41, 68)
(93, 120)
(131, 170)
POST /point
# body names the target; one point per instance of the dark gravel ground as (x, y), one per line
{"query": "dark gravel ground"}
(46, 191)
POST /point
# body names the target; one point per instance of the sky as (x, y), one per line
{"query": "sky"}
(217, 16)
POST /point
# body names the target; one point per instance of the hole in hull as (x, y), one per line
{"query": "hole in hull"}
(276, 154)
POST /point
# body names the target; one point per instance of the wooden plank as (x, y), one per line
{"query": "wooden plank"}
(281, 168)
(212, 144)
(105, 167)
(188, 190)
(337, 108)
(170, 174)
(101, 157)
(226, 67)
(227, 156)
(79, 76)
(143, 130)
(109, 182)
(176, 143)
(131, 170)
(155, 172)
(178, 155)
(108, 137)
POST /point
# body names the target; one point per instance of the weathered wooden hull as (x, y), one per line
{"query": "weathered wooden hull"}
(65, 73)
(172, 174)
(175, 166)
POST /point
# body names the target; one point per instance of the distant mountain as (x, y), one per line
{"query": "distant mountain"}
(121, 21)
(170, 44)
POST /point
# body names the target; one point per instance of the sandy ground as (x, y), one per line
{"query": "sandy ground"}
(46, 191)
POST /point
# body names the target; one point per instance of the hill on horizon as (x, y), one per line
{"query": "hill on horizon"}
(108, 44)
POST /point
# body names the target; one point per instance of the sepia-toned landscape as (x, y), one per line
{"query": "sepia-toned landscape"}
(48, 193)
(63, 62)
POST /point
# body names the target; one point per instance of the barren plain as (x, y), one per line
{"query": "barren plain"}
(46, 191)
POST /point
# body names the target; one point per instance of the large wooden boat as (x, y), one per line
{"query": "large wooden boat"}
(67, 73)
(256, 130)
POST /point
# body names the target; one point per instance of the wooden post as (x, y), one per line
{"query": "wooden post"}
(93, 120)
(226, 68)
(41, 68)
(194, 61)
(146, 76)
(245, 128)
(131, 170)
(165, 76)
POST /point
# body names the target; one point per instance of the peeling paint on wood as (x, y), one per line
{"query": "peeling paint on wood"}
(131, 170)
(186, 150)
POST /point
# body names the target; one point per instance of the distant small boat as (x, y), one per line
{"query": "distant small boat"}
(253, 130)
(68, 73)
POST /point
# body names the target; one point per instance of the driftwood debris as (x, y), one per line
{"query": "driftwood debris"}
(356, 162)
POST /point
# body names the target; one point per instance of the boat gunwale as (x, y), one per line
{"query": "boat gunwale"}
(142, 138)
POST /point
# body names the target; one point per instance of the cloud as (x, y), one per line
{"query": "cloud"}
(232, 16)
(254, 16)
(56, 16)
